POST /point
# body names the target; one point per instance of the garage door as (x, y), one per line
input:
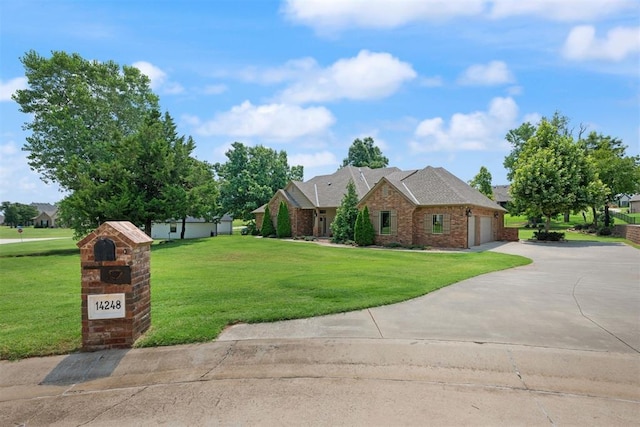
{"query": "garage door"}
(471, 231)
(486, 234)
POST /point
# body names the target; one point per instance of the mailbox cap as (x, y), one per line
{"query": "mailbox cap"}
(128, 232)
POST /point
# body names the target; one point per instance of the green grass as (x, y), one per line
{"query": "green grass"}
(201, 286)
(559, 225)
(32, 233)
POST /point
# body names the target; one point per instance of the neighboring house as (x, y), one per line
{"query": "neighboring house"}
(622, 200)
(501, 195)
(194, 228)
(428, 207)
(634, 204)
(47, 215)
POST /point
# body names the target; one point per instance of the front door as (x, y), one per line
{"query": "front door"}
(322, 225)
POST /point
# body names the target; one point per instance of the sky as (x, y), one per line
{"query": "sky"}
(433, 82)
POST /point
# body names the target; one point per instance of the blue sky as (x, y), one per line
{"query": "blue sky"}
(434, 82)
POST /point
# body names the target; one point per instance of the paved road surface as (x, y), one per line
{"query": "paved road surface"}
(553, 343)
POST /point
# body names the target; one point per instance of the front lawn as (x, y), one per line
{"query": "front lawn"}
(558, 224)
(200, 286)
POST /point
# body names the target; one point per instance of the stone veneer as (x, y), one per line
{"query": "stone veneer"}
(132, 249)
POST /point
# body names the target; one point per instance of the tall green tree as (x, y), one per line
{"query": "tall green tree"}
(202, 193)
(267, 228)
(250, 178)
(78, 110)
(284, 222)
(343, 226)
(17, 213)
(552, 174)
(363, 152)
(617, 171)
(364, 234)
(142, 183)
(482, 182)
(97, 132)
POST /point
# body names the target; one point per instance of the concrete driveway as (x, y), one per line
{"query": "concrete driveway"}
(552, 343)
(574, 296)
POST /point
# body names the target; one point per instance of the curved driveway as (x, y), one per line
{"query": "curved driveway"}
(573, 296)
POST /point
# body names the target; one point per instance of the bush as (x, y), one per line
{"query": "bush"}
(364, 232)
(605, 231)
(267, 225)
(393, 245)
(284, 223)
(551, 236)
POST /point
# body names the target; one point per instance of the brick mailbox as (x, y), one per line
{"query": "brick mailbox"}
(116, 296)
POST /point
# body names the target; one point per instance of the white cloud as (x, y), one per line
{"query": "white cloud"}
(159, 79)
(479, 130)
(292, 70)
(493, 73)
(272, 121)
(620, 42)
(8, 88)
(560, 10)
(369, 75)
(327, 15)
(314, 160)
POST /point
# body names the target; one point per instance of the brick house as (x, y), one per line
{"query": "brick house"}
(428, 207)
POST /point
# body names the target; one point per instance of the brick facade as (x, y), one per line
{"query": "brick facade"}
(132, 252)
(411, 221)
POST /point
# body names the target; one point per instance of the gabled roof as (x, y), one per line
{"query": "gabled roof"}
(635, 198)
(425, 187)
(501, 193)
(437, 186)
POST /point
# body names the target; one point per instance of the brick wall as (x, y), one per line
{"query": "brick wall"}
(629, 232)
(509, 234)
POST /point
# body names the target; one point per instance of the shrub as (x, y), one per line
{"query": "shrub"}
(284, 223)
(267, 224)
(551, 236)
(605, 231)
(344, 223)
(364, 231)
(393, 245)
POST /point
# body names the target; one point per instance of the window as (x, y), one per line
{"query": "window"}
(438, 220)
(173, 227)
(437, 223)
(385, 222)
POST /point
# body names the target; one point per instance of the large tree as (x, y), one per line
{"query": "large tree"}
(618, 172)
(97, 132)
(142, 180)
(78, 110)
(250, 178)
(552, 174)
(363, 152)
(482, 182)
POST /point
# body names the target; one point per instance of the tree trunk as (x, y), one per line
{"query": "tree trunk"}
(184, 227)
(566, 216)
(547, 225)
(595, 216)
(607, 219)
(147, 227)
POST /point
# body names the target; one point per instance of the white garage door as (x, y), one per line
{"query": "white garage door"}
(486, 234)
(471, 230)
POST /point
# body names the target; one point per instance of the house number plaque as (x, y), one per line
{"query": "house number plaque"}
(105, 306)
